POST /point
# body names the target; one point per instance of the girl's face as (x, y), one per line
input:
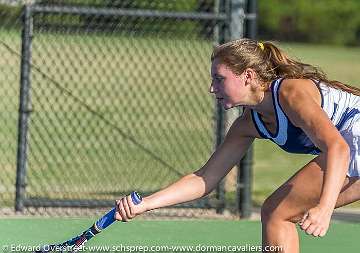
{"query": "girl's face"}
(230, 89)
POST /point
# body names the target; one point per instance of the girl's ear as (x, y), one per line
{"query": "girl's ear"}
(249, 75)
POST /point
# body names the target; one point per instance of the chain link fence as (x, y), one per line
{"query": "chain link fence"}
(114, 99)
(10, 41)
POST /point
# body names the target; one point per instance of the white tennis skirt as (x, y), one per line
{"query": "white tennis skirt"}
(351, 133)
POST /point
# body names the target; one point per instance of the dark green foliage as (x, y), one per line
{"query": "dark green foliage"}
(130, 25)
(321, 21)
(9, 16)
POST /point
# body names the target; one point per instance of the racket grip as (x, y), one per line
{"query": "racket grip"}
(109, 218)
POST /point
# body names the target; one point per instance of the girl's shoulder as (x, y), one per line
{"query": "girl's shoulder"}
(292, 90)
(294, 86)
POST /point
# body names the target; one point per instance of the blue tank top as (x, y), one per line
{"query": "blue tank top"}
(341, 107)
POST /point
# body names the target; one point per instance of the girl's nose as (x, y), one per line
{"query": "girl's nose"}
(212, 88)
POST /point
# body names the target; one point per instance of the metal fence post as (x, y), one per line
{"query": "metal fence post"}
(244, 184)
(222, 35)
(251, 19)
(244, 178)
(237, 19)
(237, 32)
(24, 108)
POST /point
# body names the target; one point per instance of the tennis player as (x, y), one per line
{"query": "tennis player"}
(297, 107)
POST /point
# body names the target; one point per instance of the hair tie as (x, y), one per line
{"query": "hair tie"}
(261, 45)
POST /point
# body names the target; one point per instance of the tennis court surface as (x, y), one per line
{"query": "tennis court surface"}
(20, 234)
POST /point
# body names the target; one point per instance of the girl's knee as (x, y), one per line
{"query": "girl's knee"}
(271, 211)
(268, 210)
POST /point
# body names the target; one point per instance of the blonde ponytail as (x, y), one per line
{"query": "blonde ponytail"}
(270, 63)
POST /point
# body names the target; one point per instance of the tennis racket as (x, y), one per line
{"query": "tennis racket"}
(79, 241)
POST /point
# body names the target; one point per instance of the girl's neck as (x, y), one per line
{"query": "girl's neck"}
(265, 106)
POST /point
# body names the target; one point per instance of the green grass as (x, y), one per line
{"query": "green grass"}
(340, 63)
(131, 83)
(36, 231)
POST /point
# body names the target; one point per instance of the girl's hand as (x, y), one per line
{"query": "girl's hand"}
(127, 210)
(316, 221)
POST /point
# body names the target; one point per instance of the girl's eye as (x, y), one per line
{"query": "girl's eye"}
(219, 79)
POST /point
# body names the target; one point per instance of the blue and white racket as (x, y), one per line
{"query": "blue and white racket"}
(77, 243)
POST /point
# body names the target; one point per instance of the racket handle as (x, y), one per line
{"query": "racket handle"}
(109, 218)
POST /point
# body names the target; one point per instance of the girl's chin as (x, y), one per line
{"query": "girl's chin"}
(227, 106)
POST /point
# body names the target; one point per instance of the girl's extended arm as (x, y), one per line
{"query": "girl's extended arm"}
(199, 183)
